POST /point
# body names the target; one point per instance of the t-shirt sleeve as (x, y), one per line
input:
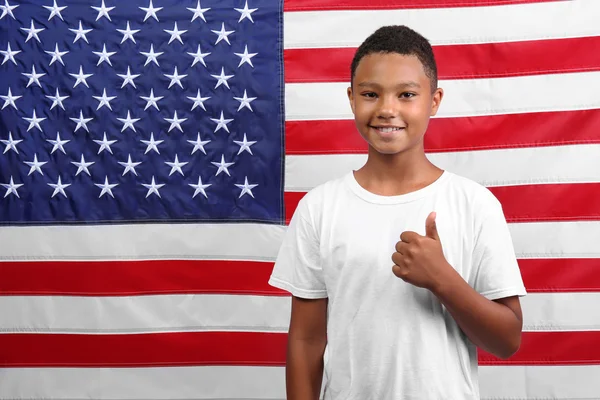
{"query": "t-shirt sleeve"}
(298, 265)
(497, 273)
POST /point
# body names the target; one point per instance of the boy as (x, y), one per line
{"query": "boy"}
(400, 269)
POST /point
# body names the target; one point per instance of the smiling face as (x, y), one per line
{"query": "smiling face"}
(392, 101)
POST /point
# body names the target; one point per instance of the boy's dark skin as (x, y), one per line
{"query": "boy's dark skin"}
(391, 89)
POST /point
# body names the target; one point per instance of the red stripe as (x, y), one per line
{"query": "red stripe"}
(241, 348)
(546, 275)
(555, 202)
(316, 5)
(127, 278)
(130, 278)
(455, 134)
(528, 203)
(552, 348)
(460, 61)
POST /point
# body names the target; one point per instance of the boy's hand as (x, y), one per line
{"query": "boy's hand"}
(419, 260)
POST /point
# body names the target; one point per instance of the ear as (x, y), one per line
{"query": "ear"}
(350, 98)
(436, 100)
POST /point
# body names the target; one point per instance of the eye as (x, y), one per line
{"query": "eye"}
(407, 95)
(370, 95)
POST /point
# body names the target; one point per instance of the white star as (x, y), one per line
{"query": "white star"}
(129, 165)
(223, 166)
(175, 34)
(175, 78)
(152, 100)
(176, 165)
(103, 11)
(11, 187)
(11, 143)
(104, 100)
(57, 144)
(82, 166)
(35, 165)
(128, 78)
(81, 77)
(34, 121)
(150, 11)
(9, 99)
(33, 77)
(106, 187)
(200, 187)
(199, 144)
(56, 55)
(244, 145)
(57, 100)
(80, 33)
(128, 33)
(175, 122)
(104, 55)
(32, 32)
(198, 100)
(152, 144)
(245, 57)
(81, 121)
(153, 187)
(7, 9)
(9, 54)
(223, 34)
(59, 187)
(246, 12)
(246, 188)
(245, 101)
(222, 78)
(221, 122)
(151, 56)
(128, 122)
(199, 57)
(55, 10)
(198, 12)
(105, 144)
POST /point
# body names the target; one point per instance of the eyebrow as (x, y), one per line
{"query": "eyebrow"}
(408, 84)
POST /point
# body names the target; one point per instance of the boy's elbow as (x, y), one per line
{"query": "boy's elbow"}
(510, 347)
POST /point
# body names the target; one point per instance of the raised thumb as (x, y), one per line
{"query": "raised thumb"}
(431, 227)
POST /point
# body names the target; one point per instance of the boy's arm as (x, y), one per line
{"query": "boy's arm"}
(306, 345)
(495, 326)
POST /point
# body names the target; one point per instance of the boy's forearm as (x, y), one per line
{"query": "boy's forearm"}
(492, 326)
(304, 369)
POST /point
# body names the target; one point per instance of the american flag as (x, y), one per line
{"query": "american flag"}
(152, 153)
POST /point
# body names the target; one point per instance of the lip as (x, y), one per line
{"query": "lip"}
(387, 135)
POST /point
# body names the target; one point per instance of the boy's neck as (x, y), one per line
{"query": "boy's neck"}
(392, 175)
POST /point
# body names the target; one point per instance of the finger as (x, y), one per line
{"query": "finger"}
(400, 271)
(402, 247)
(398, 258)
(409, 236)
(431, 227)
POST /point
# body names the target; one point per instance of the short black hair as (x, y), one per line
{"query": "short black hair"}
(402, 40)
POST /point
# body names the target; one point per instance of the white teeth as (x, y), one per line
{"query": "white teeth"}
(387, 130)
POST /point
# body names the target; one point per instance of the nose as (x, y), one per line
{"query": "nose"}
(388, 107)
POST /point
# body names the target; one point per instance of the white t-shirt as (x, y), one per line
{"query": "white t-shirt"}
(387, 339)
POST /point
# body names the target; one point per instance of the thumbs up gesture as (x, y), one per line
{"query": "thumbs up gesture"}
(419, 260)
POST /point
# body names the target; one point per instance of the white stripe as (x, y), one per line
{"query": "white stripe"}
(176, 313)
(462, 97)
(142, 242)
(576, 382)
(144, 314)
(503, 167)
(547, 239)
(567, 19)
(217, 382)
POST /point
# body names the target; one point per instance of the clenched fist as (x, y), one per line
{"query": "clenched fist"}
(419, 260)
